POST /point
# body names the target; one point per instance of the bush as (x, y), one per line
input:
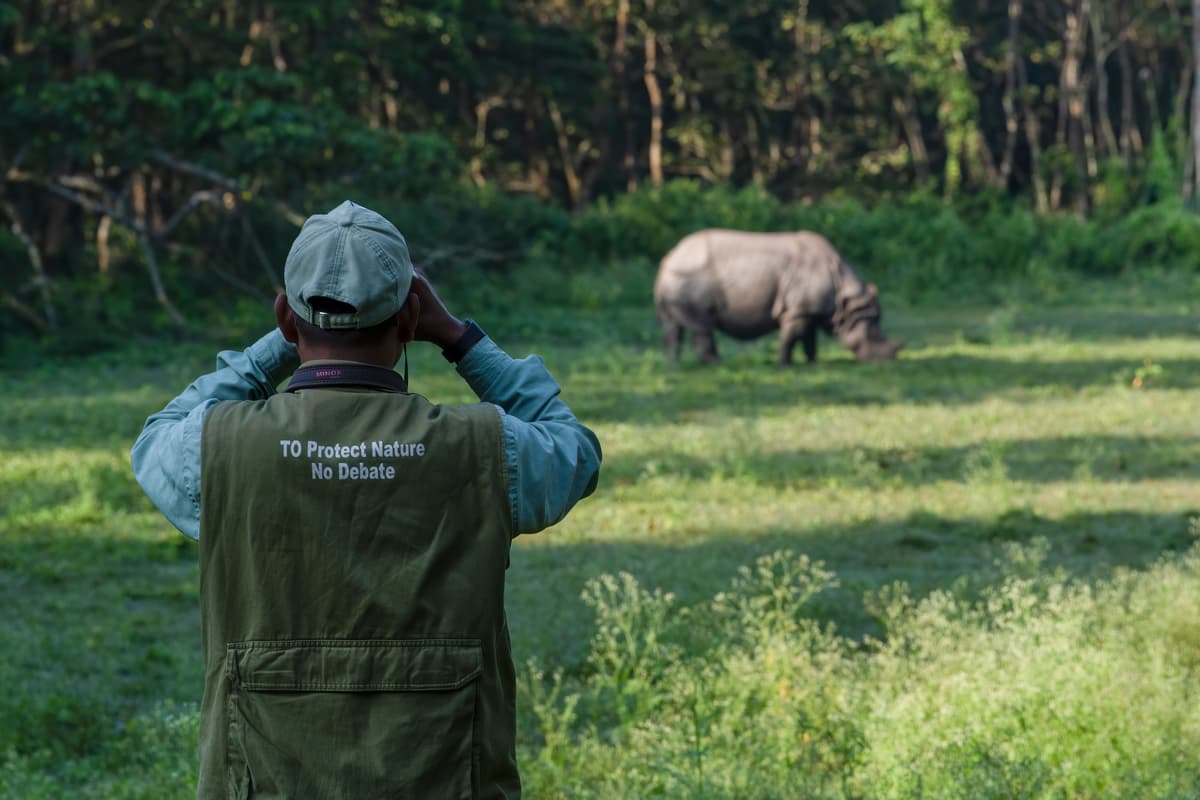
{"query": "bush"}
(153, 757)
(919, 249)
(1040, 688)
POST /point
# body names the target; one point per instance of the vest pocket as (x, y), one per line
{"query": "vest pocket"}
(352, 718)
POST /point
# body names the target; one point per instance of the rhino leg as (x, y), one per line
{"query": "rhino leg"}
(672, 333)
(705, 344)
(809, 339)
(797, 329)
(677, 318)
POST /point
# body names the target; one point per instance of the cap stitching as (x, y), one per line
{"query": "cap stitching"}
(302, 243)
(337, 266)
(389, 263)
(384, 257)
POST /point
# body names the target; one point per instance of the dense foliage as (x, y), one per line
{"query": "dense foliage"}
(151, 153)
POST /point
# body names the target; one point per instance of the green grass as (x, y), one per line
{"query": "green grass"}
(967, 573)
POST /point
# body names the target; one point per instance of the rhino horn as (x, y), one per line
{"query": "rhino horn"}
(878, 350)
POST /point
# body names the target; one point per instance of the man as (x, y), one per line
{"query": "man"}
(354, 536)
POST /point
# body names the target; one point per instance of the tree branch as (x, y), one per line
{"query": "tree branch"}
(276, 284)
(460, 252)
(35, 259)
(195, 170)
(144, 239)
(160, 291)
(26, 312)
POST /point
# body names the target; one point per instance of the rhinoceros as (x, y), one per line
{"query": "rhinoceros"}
(748, 284)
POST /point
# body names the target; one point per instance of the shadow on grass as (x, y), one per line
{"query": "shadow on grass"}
(100, 627)
(928, 552)
(103, 627)
(1005, 324)
(663, 394)
(1110, 458)
(86, 403)
(59, 417)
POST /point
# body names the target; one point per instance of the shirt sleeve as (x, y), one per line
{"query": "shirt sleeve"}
(166, 456)
(552, 460)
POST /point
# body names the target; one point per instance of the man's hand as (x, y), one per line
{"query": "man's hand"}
(435, 324)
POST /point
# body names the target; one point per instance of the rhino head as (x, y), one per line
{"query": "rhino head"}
(856, 321)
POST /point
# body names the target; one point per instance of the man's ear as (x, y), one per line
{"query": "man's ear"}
(408, 318)
(286, 319)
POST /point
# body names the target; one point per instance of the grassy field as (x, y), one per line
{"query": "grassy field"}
(971, 572)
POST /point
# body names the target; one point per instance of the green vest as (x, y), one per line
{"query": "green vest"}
(353, 547)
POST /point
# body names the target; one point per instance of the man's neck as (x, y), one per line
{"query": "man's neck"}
(374, 357)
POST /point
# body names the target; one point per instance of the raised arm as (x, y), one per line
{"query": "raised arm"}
(552, 460)
(166, 456)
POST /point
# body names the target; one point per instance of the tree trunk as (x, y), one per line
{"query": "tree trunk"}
(905, 107)
(1183, 150)
(482, 110)
(1194, 189)
(252, 37)
(753, 146)
(656, 110)
(1131, 136)
(977, 154)
(1100, 54)
(1089, 142)
(277, 59)
(570, 176)
(801, 90)
(387, 90)
(160, 291)
(140, 204)
(83, 60)
(56, 236)
(1011, 118)
(538, 168)
(621, 83)
(40, 279)
(103, 256)
(815, 148)
(261, 254)
(725, 140)
(1082, 141)
(1067, 139)
(1033, 135)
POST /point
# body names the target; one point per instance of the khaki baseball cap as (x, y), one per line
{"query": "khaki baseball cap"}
(352, 255)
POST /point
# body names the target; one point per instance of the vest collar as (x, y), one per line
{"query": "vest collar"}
(328, 374)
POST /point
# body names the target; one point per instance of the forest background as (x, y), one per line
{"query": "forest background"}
(157, 156)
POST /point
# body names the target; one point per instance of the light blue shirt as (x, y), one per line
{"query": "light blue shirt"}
(552, 461)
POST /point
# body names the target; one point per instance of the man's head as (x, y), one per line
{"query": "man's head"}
(347, 284)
